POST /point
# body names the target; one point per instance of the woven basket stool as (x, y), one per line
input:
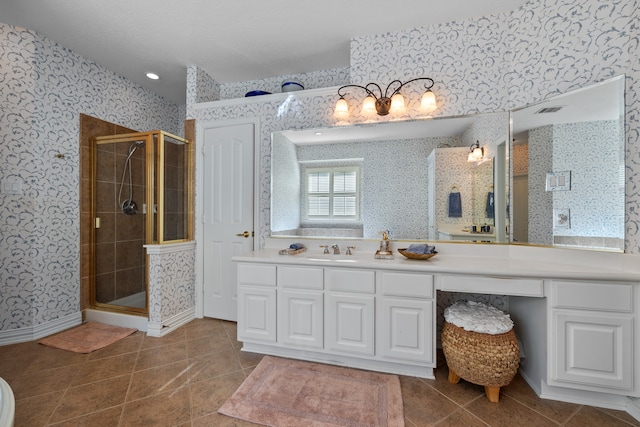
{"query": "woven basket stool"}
(484, 359)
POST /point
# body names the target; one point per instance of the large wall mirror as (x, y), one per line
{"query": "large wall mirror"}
(413, 178)
(568, 169)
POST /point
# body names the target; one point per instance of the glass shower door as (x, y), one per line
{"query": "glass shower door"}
(119, 234)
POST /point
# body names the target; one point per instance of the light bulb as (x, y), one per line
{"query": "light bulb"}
(369, 105)
(342, 108)
(397, 104)
(428, 103)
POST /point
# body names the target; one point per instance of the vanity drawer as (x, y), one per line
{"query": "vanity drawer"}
(593, 296)
(361, 281)
(492, 285)
(407, 284)
(301, 277)
(256, 274)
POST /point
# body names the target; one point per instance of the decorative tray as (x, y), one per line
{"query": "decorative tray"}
(290, 251)
(412, 255)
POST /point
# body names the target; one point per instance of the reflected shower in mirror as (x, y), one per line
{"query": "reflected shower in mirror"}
(568, 169)
(356, 181)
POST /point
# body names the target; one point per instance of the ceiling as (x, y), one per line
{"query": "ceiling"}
(232, 40)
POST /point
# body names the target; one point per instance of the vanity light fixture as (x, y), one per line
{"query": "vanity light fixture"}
(388, 101)
(475, 152)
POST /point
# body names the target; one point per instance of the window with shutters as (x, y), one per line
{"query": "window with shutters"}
(333, 193)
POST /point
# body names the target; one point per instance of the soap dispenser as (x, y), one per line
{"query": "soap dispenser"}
(385, 248)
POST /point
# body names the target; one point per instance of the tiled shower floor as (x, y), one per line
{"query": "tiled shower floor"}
(183, 378)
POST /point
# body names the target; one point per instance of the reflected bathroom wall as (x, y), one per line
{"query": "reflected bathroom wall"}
(582, 142)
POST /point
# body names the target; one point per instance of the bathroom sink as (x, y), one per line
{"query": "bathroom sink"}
(332, 258)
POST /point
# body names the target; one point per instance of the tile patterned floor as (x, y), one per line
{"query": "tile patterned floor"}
(183, 378)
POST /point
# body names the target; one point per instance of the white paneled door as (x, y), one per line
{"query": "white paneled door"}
(228, 213)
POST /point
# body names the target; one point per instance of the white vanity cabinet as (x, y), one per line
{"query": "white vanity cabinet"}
(350, 315)
(591, 336)
(300, 307)
(257, 302)
(365, 318)
(406, 316)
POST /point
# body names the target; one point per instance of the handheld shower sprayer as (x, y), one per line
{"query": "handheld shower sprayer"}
(128, 206)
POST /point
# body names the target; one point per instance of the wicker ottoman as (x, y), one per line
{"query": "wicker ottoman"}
(490, 360)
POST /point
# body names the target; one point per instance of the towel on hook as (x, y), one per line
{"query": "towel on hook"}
(455, 205)
(490, 207)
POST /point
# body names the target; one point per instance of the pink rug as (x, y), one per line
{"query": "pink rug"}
(283, 392)
(87, 337)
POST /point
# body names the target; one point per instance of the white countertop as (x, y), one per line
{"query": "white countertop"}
(493, 260)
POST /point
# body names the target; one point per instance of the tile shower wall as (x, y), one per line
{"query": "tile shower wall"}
(175, 206)
(488, 64)
(119, 260)
(44, 88)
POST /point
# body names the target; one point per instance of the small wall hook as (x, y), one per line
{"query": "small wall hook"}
(60, 156)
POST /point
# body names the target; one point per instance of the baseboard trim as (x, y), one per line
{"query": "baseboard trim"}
(32, 333)
(117, 319)
(156, 329)
(633, 407)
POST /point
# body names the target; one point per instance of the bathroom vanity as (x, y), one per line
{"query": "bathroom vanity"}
(576, 312)
(457, 232)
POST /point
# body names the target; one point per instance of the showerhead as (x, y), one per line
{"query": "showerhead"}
(134, 146)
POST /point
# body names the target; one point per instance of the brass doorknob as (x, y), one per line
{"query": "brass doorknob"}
(245, 234)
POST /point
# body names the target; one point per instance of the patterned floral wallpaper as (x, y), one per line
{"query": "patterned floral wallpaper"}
(489, 64)
(43, 88)
(172, 274)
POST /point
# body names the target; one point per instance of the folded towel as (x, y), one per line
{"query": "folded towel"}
(421, 249)
(490, 208)
(296, 246)
(478, 317)
(455, 205)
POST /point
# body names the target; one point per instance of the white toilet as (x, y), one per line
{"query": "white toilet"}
(7, 405)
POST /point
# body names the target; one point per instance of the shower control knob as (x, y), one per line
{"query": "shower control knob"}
(246, 234)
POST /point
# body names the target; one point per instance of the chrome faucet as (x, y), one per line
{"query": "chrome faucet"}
(348, 252)
(326, 249)
(336, 249)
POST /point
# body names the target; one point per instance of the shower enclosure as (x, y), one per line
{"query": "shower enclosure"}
(141, 195)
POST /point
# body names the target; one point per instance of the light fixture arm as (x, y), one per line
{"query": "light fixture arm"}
(383, 100)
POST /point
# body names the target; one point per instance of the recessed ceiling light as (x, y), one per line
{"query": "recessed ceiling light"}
(153, 76)
(318, 133)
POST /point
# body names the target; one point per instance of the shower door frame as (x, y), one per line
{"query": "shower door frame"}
(154, 195)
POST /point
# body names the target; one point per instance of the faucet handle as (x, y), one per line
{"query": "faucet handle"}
(348, 252)
(326, 249)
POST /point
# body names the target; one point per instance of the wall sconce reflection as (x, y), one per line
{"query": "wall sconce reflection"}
(389, 101)
(476, 153)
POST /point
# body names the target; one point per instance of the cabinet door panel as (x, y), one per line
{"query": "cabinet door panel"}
(300, 318)
(593, 350)
(407, 329)
(350, 324)
(256, 314)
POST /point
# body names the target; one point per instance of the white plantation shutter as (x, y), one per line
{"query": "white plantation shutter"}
(332, 193)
